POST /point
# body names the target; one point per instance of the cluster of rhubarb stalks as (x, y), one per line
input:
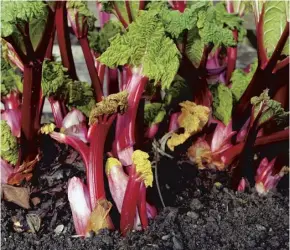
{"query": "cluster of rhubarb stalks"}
(237, 147)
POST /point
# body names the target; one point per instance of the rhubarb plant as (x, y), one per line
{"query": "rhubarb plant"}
(90, 144)
(160, 69)
(26, 28)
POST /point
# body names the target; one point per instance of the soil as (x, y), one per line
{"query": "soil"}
(201, 212)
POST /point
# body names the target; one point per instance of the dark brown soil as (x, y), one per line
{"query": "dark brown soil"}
(199, 214)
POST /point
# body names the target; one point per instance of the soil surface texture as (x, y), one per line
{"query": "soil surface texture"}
(201, 212)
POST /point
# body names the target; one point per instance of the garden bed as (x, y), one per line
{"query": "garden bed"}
(201, 212)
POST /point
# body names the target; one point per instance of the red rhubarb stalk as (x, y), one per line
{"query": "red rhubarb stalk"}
(95, 171)
(29, 109)
(130, 203)
(91, 67)
(142, 206)
(125, 128)
(64, 39)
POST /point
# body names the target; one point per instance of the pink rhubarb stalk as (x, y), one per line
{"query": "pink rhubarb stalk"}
(78, 197)
(126, 123)
(266, 178)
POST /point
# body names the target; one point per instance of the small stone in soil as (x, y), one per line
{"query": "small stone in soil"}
(195, 204)
(192, 215)
(260, 227)
(165, 237)
(58, 230)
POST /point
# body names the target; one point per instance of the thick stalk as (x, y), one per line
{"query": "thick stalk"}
(128, 211)
(64, 39)
(91, 67)
(142, 207)
(48, 53)
(125, 128)
(29, 110)
(95, 171)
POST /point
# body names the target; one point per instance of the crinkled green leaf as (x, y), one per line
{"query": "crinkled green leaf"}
(240, 81)
(174, 21)
(80, 95)
(82, 11)
(9, 79)
(100, 41)
(275, 19)
(20, 12)
(55, 82)
(53, 78)
(154, 113)
(194, 47)
(216, 24)
(145, 45)
(9, 146)
(269, 109)
(222, 102)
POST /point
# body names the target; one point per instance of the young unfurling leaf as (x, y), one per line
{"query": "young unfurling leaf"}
(193, 118)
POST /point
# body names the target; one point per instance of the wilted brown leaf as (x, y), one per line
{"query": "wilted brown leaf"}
(34, 222)
(17, 195)
(100, 218)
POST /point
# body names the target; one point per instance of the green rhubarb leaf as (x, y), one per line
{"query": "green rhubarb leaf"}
(81, 7)
(9, 146)
(269, 109)
(194, 47)
(80, 95)
(174, 21)
(154, 113)
(146, 46)
(20, 13)
(216, 25)
(100, 41)
(36, 28)
(240, 81)
(275, 19)
(222, 102)
(55, 82)
(9, 79)
(53, 78)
